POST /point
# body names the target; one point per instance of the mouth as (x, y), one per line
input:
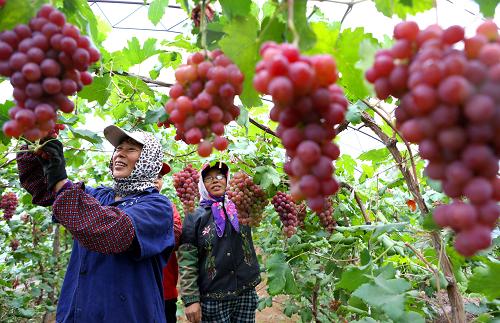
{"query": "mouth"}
(215, 187)
(120, 164)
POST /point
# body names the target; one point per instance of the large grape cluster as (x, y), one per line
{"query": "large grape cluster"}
(287, 211)
(8, 203)
(249, 198)
(448, 87)
(202, 101)
(2, 3)
(46, 61)
(186, 186)
(307, 106)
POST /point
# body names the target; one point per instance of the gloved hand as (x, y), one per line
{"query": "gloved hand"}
(54, 167)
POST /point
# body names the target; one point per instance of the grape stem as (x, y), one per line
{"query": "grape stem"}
(291, 23)
(203, 26)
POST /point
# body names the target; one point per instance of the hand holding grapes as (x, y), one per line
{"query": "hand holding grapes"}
(54, 167)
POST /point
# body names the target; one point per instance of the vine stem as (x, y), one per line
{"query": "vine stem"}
(412, 161)
(291, 23)
(203, 26)
(358, 201)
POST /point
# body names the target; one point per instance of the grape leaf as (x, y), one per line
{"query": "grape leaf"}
(99, 90)
(402, 8)
(485, 281)
(157, 10)
(231, 8)
(352, 278)
(134, 53)
(354, 112)
(307, 37)
(385, 294)
(280, 277)
(240, 44)
(487, 7)
(86, 135)
(15, 12)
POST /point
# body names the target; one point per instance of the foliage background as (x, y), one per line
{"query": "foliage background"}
(380, 265)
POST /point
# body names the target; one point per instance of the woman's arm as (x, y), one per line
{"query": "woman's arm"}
(188, 261)
(32, 178)
(103, 229)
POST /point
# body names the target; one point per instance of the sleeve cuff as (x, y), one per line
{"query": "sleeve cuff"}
(190, 299)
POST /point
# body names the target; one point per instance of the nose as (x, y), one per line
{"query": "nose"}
(119, 153)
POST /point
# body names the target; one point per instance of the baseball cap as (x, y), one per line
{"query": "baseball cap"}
(115, 135)
(222, 167)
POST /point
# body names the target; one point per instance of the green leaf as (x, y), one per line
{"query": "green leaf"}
(266, 176)
(86, 135)
(352, 278)
(280, 278)
(403, 8)
(485, 280)
(354, 112)
(78, 12)
(99, 90)
(385, 294)
(4, 117)
(307, 37)
(240, 44)
(375, 155)
(231, 8)
(157, 10)
(134, 53)
(153, 116)
(16, 12)
(347, 163)
(487, 7)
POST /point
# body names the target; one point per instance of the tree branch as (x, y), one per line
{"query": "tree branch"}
(262, 127)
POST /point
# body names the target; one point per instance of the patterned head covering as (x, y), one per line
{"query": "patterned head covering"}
(217, 204)
(145, 171)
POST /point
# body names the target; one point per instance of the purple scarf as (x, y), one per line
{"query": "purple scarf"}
(216, 204)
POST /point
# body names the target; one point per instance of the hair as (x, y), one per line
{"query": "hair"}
(131, 141)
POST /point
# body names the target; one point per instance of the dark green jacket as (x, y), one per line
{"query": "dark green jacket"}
(213, 268)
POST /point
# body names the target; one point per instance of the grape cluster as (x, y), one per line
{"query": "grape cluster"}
(326, 217)
(47, 61)
(249, 198)
(202, 100)
(307, 106)
(287, 210)
(14, 244)
(8, 203)
(2, 3)
(450, 107)
(186, 186)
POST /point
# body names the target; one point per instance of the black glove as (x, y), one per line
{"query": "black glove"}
(54, 167)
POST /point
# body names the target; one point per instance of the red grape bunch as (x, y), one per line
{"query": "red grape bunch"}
(249, 198)
(287, 211)
(47, 61)
(450, 107)
(186, 186)
(202, 100)
(326, 217)
(307, 106)
(2, 3)
(8, 203)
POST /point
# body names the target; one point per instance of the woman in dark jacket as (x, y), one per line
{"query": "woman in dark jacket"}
(218, 266)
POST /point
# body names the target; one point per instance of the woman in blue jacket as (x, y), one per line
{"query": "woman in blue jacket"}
(122, 236)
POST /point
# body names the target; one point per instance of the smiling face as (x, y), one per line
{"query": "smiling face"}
(215, 182)
(124, 158)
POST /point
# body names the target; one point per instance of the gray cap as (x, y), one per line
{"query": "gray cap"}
(116, 135)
